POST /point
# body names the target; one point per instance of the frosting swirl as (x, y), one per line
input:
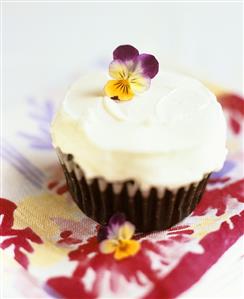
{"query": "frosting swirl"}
(171, 135)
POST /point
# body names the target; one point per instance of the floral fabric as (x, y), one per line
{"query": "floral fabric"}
(44, 232)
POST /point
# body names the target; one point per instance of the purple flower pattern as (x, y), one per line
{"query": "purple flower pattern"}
(41, 113)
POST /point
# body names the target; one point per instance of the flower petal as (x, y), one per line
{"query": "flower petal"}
(108, 246)
(126, 248)
(148, 64)
(125, 52)
(118, 218)
(114, 224)
(139, 83)
(119, 90)
(118, 70)
(126, 231)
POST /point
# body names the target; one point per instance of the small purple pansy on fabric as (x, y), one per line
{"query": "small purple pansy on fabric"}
(131, 72)
(116, 238)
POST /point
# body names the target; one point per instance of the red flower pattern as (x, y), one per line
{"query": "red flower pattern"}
(20, 238)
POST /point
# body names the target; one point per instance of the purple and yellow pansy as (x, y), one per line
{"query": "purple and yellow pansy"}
(116, 238)
(131, 72)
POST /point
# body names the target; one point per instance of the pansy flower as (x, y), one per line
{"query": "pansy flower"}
(116, 238)
(131, 72)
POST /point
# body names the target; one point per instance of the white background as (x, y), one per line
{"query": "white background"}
(46, 42)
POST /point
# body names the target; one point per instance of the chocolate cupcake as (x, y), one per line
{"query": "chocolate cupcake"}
(145, 152)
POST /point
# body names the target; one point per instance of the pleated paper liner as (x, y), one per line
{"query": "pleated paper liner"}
(148, 211)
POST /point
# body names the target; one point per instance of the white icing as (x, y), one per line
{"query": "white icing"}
(169, 136)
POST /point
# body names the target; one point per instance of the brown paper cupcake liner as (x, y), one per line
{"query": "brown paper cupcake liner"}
(148, 211)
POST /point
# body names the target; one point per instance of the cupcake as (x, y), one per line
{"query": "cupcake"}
(143, 142)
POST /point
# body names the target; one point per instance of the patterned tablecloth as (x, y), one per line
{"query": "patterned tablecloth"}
(49, 248)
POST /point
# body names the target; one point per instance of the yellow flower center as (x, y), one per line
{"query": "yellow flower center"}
(119, 89)
(123, 85)
(123, 245)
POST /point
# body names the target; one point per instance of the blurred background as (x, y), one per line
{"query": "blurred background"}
(47, 45)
